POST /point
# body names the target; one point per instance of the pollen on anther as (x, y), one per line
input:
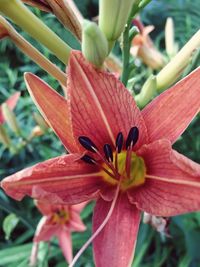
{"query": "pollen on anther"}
(88, 159)
(119, 142)
(108, 152)
(87, 143)
(132, 138)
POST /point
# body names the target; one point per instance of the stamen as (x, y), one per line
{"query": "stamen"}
(109, 164)
(132, 137)
(87, 143)
(103, 224)
(119, 142)
(108, 152)
(105, 170)
(88, 159)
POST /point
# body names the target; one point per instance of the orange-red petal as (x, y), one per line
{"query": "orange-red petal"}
(54, 109)
(45, 230)
(58, 180)
(44, 207)
(115, 244)
(65, 243)
(171, 112)
(172, 185)
(100, 105)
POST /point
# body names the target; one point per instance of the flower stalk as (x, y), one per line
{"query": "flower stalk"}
(23, 17)
(136, 7)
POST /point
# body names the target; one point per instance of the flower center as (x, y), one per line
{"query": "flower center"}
(127, 181)
(60, 217)
(121, 167)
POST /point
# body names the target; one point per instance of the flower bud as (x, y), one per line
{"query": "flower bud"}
(94, 43)
(113, 15)
(10, 118)
(40, 121)
(4, 138)
(147, 92)
(68, 15)
(3, 32)
(36, 132)
(170, 45)
(172, 71)
(42, 5)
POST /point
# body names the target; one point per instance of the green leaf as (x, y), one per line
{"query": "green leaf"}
(9, 224)
(15, 254)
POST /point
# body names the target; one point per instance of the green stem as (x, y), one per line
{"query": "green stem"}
(23, 17)
(137, 6)
(126, 55)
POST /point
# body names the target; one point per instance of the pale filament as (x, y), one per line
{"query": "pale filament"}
(105, 170)
(109, 164)
(90, 240)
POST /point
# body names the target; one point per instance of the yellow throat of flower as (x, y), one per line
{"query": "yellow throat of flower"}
(60, 217)
(135, 176)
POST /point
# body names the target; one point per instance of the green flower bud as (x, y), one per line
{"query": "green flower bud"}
(10, 118)
(113, 15)
(4, 138)
(173, 70)
(94, 43)
(40, 121)
(170, 45)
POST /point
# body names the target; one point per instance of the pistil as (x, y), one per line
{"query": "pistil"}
(119, 144)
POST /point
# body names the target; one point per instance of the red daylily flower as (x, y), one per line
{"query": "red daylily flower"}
(60, 221)
(143, 47)
(142, 173)
(11, 102)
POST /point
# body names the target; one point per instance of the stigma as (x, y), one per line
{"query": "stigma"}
(119, 164)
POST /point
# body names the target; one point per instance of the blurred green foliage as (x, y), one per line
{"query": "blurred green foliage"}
(179, 250)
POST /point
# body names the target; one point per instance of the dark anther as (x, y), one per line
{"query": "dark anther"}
(119, 142)
(87, 143)
(132, 137)
(88, 159)
(108, 152)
